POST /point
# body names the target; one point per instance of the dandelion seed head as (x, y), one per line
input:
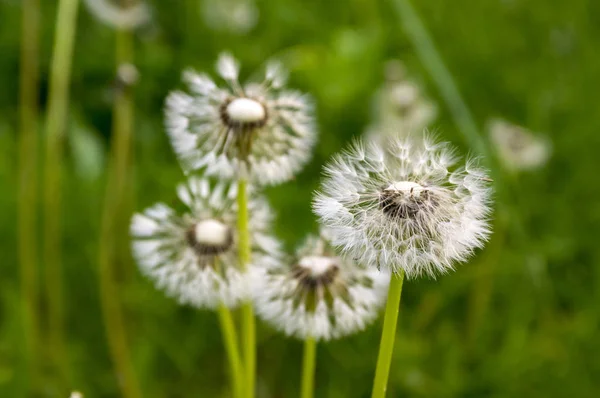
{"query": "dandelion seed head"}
(258, 131)
(114, 14)
(517, 147)
(401, 108)
(192, 255)
(406, 205)
(320, 294)
(235, 16)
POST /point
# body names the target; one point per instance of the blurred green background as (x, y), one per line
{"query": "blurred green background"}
(521, 319)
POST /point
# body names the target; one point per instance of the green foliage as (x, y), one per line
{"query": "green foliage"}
(531, 62)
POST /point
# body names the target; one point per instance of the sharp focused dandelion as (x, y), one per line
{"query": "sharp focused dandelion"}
(406, 207)
(258, 131)
(192, 255)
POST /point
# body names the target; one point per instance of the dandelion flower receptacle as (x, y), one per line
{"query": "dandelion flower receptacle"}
(321, 294)
(406, 206)
(193, 256)
(257, 131)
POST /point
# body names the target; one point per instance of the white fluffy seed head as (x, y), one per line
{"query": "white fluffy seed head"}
(405, 206)
(258, 131)
(517, 147)
(212, 232)
(245, 110)
(320, 294)
(193, 255)
(130, 17)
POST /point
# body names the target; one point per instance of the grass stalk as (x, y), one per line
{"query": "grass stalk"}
(232, 349)
(308, 368)
(388, 335)
(113, 220)
(28, 180)
(248, 322)
(56, 124)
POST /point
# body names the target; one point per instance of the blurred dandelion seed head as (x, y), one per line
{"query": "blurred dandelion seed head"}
(517, 147)
(235, 16)
(321, 294)
(406, 206)
(400, 107)
(257, 131)
(192, 255)
(113, 13)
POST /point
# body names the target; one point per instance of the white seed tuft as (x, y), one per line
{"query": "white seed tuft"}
(320, 294)
(405, 206)
(257, 131)
(192, 256)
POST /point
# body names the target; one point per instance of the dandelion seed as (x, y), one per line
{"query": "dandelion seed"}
(257, 129)
(406, 207)
(112, 13)
(236, 16)
(321, 295)
(193, 256)
(76, 394)
(517, 147)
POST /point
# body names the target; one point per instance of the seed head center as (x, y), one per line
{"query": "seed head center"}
(210, 237)
(313, 271)
(406, 187)
(245, 111)
(404, 199)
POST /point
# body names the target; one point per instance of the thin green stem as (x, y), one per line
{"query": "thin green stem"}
(308, 367)
(388, 334)
(113, 218)
(58, 101)
(28, 179)
(248, 326)
(232, 349)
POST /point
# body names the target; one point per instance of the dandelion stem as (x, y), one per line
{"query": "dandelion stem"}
(28, 165)
(60, 75)
(386, 347)
(308, 367)
(248, 327)
(113, 218)
(233, 353)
